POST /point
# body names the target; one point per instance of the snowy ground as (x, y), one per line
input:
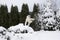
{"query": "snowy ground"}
(46, 35)
(30, 35)
(40, 35)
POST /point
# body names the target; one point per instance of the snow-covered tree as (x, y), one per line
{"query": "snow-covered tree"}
(54, 5)
(47, 17)
(58, 19)
(24, 13)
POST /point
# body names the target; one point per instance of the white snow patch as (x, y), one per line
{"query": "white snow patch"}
(37, 35)
(20, 27)
(40, 35)
(2, 28)
(46, 35)
(58, 13)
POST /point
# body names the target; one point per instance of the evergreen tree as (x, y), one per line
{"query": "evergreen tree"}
(34, 14)
(14, 16)
(24, 13)
(57, 20)
(35, 10)
(1, 17)
(48, 21)
(4, 16)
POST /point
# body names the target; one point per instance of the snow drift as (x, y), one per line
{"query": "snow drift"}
(37, 35)
(20, 28)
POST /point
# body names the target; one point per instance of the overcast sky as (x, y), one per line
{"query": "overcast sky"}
(20, 2)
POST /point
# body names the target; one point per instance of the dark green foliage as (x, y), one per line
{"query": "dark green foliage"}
(34, 14)
(3, 16)
(8, 19)
(24, 13)
(35, 10)
(14, 16)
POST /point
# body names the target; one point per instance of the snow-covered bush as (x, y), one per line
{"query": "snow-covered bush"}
(3, 32)
(20, 28)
